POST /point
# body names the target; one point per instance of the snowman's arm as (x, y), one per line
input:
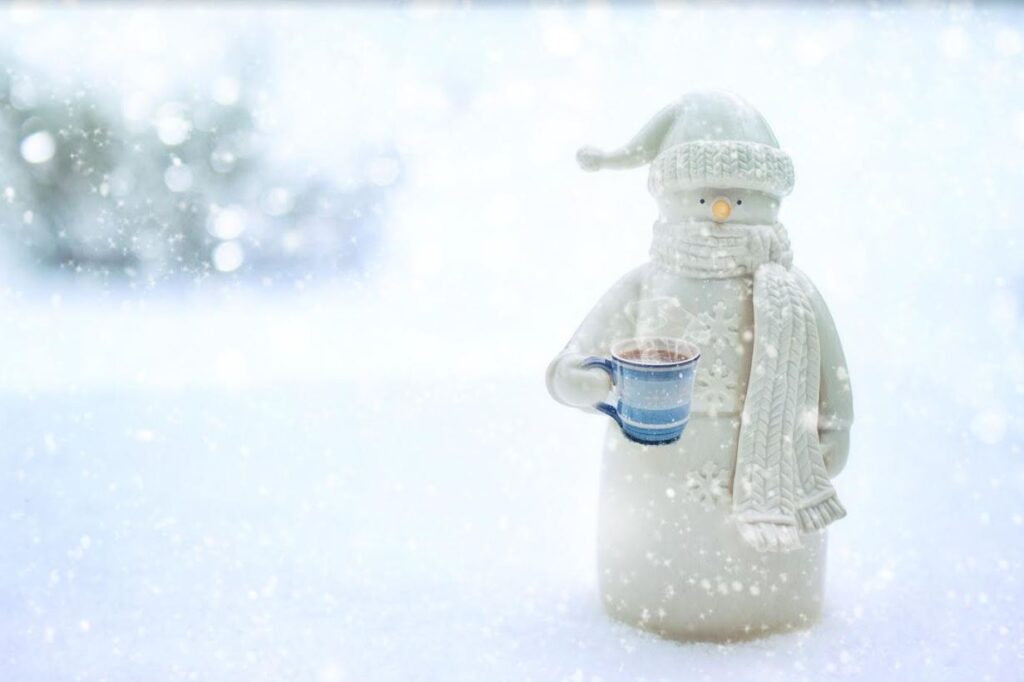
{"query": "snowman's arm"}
(609, 321)
(835, 398)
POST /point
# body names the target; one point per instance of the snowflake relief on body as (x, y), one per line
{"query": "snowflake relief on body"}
(708, 486)
(716, 388)
(719, 328)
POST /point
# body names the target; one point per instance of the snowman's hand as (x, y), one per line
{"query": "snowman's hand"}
(590, 158)
(573, 385)
(835, 448)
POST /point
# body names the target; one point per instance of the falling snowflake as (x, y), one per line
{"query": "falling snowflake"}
(716, 388)
(707, 486)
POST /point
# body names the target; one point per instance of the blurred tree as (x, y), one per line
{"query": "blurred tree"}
(121, 186)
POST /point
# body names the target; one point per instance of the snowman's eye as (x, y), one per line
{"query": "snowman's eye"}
(702, 201)
(739, 201)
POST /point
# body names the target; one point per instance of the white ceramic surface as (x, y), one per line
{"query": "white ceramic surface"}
(670, 557)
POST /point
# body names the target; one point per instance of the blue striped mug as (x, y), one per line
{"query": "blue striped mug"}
(653, 379)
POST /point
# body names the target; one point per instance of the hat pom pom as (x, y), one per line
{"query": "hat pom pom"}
(590, 158)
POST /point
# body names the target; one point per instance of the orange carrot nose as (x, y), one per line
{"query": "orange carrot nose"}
(721, 209)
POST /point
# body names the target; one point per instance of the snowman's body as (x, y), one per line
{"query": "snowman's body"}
(670, 556)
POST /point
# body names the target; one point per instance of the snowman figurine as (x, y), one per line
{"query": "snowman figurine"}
(721, 534)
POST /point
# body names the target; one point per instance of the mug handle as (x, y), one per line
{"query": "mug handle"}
(606, 365)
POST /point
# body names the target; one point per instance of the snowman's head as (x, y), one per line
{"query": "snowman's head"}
(740, 206)
(712, 156)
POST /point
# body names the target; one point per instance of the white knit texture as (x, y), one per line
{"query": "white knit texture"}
(718, 251)
(725, 164)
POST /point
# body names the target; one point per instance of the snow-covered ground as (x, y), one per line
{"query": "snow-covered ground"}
(319, 481)
(397, 530)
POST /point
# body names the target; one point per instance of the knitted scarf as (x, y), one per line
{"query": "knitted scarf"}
(780, 487)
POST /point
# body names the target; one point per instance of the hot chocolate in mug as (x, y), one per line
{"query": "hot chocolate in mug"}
(653, 380)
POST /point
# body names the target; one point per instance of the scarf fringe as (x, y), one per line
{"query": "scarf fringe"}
(766, 536)
(817, 516)
(782, 536)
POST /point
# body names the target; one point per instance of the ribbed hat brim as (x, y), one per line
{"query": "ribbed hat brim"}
(724, 164)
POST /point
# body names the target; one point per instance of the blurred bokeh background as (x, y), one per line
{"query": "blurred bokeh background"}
(278, 284)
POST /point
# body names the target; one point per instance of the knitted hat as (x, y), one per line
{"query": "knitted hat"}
(706, 139)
